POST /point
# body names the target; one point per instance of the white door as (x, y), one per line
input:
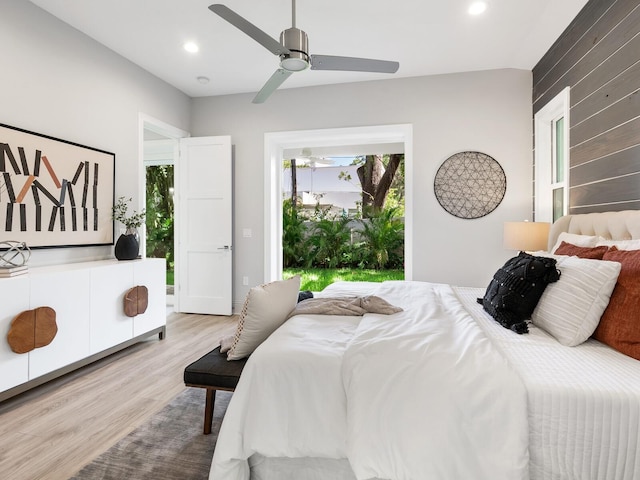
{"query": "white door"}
(204, 226)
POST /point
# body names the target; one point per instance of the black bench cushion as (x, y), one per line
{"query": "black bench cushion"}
(214, 370)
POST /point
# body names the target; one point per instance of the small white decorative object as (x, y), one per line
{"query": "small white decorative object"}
(14, 254)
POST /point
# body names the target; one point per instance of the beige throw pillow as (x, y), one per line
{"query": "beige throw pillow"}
(265, 309)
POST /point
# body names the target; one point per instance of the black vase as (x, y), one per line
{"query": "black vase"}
(127, 246)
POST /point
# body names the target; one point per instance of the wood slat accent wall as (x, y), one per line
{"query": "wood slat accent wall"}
(598, 56)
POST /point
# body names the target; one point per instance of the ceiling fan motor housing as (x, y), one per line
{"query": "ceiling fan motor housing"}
(297, 42)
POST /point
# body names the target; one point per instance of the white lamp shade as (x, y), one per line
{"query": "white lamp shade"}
(526, 236)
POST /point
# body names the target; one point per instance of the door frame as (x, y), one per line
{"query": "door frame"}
(274, 146)
(147, 122)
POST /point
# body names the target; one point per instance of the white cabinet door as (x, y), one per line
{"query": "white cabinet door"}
(109, 325)
(14, 367)
(151, 273)
(88, 299)
(204, 226)
(67, 292)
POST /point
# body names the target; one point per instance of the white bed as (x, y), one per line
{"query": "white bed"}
(438, 391)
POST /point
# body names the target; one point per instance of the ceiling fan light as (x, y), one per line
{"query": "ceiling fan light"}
(476, 8)
(297, 42)
(293, 64)
(191, 47)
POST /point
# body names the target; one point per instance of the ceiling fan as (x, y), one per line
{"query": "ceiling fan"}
(293, 50)
(307, 157)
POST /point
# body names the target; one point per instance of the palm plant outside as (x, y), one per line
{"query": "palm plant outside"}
(327, 241)
(383, 235)
(326, 248)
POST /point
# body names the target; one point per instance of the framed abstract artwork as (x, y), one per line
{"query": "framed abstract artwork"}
(54, 193)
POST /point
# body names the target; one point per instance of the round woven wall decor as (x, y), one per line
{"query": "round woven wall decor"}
(470, 184)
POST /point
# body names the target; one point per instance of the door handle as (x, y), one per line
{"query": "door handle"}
(226, 247)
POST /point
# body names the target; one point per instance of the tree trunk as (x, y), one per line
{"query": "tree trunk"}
(385, 182)
(370, 174)
(294, 184)
(376, 181)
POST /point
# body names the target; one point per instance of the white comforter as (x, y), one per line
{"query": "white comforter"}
(414, 395)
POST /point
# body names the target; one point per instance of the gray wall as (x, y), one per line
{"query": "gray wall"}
(487, 111)
(57, 81)
(598, 56)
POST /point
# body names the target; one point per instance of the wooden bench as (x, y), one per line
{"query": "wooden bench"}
(213, 372)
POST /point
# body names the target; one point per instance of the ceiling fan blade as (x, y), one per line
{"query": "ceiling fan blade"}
(249, 28)
(272, 84)
(352, 64)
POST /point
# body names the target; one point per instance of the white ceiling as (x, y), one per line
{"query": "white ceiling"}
(427, 37)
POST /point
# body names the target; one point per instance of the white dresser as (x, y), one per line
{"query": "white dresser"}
(88, 300)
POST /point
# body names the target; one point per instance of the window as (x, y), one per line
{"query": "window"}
(552, 159)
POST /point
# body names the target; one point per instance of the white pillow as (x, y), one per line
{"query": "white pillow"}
(265, 309)
(575, 239)
(620, 244)
(570, 309)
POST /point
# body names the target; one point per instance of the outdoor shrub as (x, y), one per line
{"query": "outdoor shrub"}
(159, 213)
(383, 234)
(160, 240)
(327, 240)
(324, 240)
(293, 233)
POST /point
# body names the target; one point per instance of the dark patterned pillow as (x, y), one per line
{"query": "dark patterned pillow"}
(516, 288)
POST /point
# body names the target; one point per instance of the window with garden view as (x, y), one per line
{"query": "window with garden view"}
(343, 219)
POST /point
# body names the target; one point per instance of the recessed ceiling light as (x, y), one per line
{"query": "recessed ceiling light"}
(191, 47)
(203, 80)
(476, 8)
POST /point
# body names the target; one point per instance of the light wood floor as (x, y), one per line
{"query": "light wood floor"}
(51, 432)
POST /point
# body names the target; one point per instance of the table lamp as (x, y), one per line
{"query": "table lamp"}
(526, 236)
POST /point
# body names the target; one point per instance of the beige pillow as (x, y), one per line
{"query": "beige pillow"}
(265, 309)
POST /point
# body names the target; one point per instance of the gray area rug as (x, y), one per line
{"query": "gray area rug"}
(170, 446)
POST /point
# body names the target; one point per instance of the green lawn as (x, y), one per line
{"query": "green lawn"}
(315, 279)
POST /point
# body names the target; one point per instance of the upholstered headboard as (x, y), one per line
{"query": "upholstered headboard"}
(623, 225)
